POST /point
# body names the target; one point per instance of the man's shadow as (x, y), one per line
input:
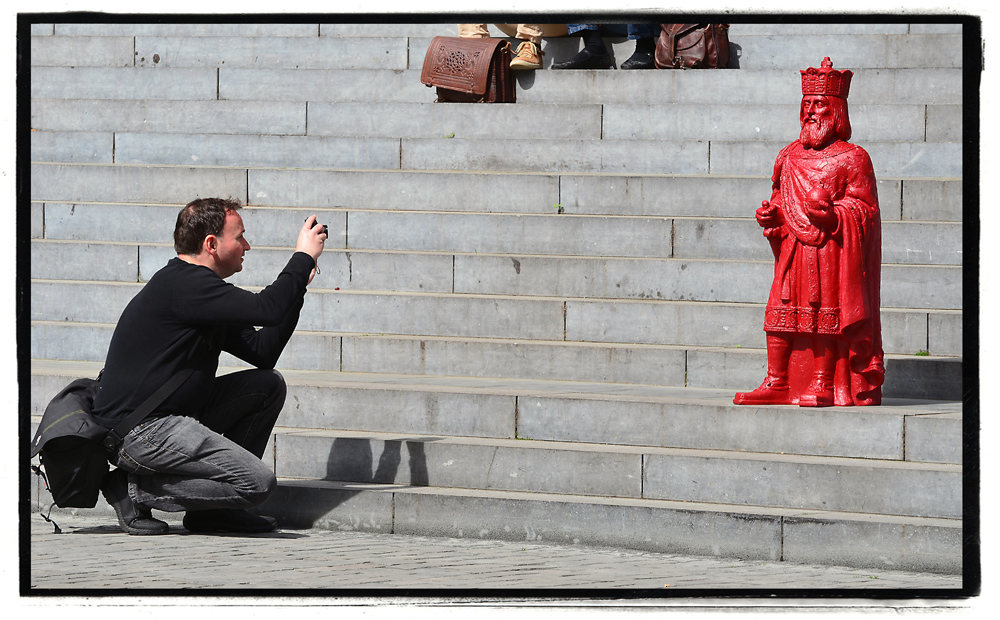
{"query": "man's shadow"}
(353, 460)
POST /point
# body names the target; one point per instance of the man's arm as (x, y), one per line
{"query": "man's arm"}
(263, 347)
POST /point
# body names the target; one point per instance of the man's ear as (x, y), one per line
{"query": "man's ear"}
(210, 244)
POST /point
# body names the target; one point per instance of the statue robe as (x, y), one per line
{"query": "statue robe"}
(827, 280)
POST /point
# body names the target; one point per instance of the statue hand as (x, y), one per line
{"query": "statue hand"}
(819, 208)
(768, 215)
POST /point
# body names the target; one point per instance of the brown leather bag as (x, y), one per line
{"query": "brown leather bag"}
(469, 70)
(692, 46)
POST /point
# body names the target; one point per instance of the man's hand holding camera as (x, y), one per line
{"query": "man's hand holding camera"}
(311, 240)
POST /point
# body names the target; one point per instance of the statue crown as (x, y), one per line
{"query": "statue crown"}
(826, 80)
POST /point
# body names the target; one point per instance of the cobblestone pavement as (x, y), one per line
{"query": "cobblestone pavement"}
(93, 554)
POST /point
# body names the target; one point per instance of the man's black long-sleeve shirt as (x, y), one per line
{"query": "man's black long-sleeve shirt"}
(184, 317)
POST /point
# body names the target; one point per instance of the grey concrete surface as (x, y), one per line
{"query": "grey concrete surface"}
(328, 561)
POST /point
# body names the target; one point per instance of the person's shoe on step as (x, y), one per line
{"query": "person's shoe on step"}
(133, 518)
(586, 60)
(527, 57)
(642, 57)
(227, 520)
(594, 54)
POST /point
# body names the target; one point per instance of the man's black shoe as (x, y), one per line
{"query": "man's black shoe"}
(639, 60)
(227, 520)
(586, 60)
(133, 519)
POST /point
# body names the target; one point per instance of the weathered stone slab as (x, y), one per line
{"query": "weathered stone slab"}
(796, 482)
(123, 83)
(102, 51)
(432, 315)
(85, 261)
(430, 120)
(142, 185)
(933, 200)
(244, 29)
(866, 432)
(399, 411)
(529, 234)
(937, 438)
(468, 464)
(323, 85)
(404, 190)
(603, 156)
(551, 360)
(272, 52)
(258, 151)
(308, 504)
(874, 543)
(729, 122)
(566, 522)
(666, 279)
(77, 147)
(201, 118)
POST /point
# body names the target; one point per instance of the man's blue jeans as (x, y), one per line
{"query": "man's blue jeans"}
(632, 31)
(179, 463)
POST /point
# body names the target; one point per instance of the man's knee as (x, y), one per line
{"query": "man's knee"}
(262, 486)
(275, 384)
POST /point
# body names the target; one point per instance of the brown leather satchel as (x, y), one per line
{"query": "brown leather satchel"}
(692, 46)
(469, 70)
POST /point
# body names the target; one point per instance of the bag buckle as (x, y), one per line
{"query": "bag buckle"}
(111, 441)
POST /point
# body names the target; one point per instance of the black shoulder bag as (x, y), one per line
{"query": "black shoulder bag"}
(74, 448)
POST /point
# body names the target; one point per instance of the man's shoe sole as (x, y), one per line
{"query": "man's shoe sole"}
(113, 500)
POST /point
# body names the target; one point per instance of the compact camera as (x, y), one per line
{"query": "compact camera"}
(326, 229)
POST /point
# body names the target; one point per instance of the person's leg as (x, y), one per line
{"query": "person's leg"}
(176, 463)
(529, 53)
(473, 31)
(210, 467)
(244, 406)
(644, 36)
(594, 54)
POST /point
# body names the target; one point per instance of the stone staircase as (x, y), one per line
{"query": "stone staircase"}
(543, 308)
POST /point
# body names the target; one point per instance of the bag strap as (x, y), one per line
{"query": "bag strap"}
(115, 436)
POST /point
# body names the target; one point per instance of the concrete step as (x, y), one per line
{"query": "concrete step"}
(907, 376)
(63, 191)
(913, 159)
(601, 276)
(81, 230)
(903, 430)
(608, 156)
(818, 537)
(746, 479)
(399, 29)
(779, 49)
(918, 86)
(662, 322)
(715, 530)
(156, 126)
(719, 530)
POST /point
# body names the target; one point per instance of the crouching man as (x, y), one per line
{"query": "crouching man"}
(201, 450)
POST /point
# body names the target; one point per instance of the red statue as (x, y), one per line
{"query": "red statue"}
(824, 333)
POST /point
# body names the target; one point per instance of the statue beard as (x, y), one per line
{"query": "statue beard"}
(815, 135)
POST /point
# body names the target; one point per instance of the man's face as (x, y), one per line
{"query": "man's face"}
(231, 245)
(816, 118)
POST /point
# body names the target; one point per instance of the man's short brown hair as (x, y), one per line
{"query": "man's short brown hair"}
(199, 219)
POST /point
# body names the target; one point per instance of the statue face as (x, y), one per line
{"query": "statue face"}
(816, 117)
(815, 108)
